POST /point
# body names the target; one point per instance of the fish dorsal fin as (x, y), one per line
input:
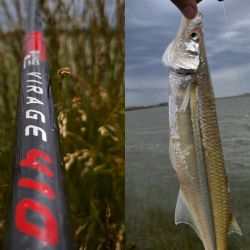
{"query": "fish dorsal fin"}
(182, 214)
(234, 227)
(172, 154)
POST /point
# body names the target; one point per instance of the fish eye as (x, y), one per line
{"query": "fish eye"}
(194, 36)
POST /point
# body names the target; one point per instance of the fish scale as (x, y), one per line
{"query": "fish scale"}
(203, 178)
(216, 172)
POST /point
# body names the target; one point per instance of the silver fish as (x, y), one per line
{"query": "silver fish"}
(195, 145)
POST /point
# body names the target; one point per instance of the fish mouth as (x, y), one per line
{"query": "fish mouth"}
(197, 21)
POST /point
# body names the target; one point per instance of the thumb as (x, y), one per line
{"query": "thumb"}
(187, 7)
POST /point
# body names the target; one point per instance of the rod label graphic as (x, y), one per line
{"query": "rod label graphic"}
(49, 232)
(33, 91)
(34, 48)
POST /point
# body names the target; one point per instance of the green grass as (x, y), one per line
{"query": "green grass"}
(153, 228)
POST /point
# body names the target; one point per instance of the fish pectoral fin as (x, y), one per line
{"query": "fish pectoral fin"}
(182, 214)
(234, 227)
(172, 154)
(186, 99)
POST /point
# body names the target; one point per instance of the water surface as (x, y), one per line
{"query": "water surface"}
(151, 183)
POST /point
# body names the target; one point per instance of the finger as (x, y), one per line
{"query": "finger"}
(187, 7)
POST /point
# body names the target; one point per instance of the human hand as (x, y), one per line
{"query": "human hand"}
(187, 7)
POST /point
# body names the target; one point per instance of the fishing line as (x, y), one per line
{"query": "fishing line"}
(112, 11)
(227, 19)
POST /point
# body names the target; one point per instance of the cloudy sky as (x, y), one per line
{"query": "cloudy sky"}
(152, 24)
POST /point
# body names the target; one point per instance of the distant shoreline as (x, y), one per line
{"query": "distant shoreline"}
(164, 104)
(131, 108)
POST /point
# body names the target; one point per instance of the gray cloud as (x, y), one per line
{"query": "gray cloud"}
(152, 24)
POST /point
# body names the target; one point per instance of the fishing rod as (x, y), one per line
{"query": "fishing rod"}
(39, 217)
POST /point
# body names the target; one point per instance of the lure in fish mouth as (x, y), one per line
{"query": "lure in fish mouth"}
(183, 54)
(195, 148)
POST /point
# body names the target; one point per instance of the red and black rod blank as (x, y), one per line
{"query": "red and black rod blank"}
(39, 217)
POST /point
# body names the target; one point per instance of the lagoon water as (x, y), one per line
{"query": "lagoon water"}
(151, 183)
